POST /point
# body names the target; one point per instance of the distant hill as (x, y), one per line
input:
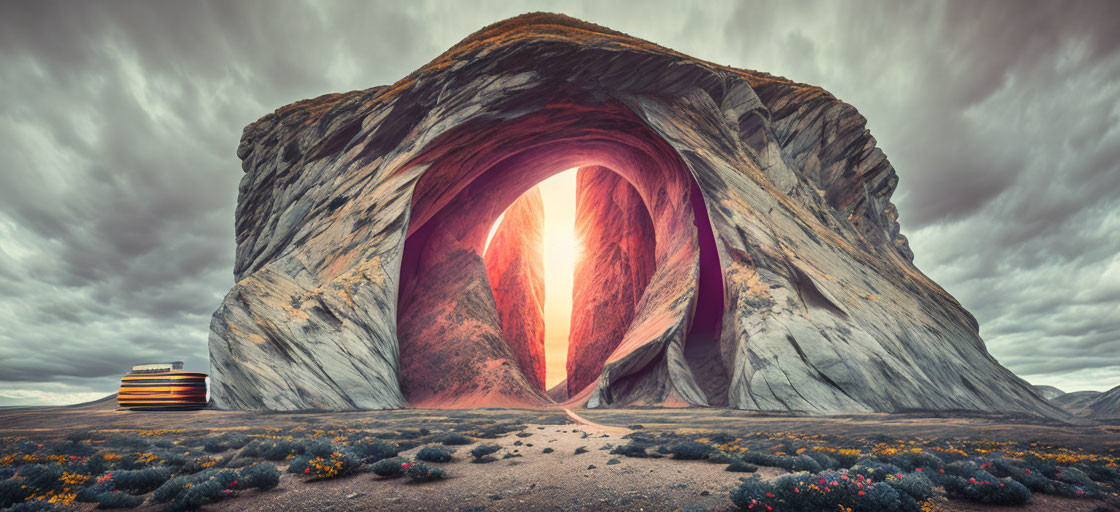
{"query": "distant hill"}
(1090, 404)
(1048, 392)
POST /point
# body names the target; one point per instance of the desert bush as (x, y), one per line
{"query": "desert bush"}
(547, 450)
(789, 463)
(690, 450)
(483, 452)
(224, 442)
(916, 485)
(824, 460)
(453, 439)
(35, 506)
(42, 477)
(373, 451)
(630, 450)
(272, 449)
(434, 454)
(741, 466)
(262, 476)
(419, 472)
(827, 490)
(12, 490)
(581, 449)
(909, 461)
(140, 481)
(299, 465)
(983, 487)
(336, 465)
(876, 470)
(722, 438)
(189, 492)
(320, 448)
(75, 448)
(118, 499)
(392, 467)
(1030, 478)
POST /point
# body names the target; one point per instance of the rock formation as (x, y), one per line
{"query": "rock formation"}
(515, 267)
(779, 278)
(611, 276)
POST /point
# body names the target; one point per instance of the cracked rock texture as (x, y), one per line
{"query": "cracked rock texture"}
(780, 280)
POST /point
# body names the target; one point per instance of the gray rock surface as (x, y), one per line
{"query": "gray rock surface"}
(777, 245)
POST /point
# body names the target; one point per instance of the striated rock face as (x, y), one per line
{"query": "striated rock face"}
(516, 270)
(617, 261)
(779, 279)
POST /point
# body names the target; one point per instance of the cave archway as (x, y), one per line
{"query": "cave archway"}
(452, 346)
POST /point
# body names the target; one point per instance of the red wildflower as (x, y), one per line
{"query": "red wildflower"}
(233, 483)
(917, 469)
(307, 470)
(834, 482)
(861, 493)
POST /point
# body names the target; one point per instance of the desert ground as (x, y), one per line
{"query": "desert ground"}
(548, 459)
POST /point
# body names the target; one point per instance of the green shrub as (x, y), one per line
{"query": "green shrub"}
(271, 449)
(42, 477)
(916, 485)
(392, 467)
(909, 461)
(35, 506)
(434, 454)
(419, 472)
(206, 487)
(12, 490)
(118, 499)
(140, 481)
(370, 452)
(789, 463)
(483, 452)
(983, 487)
(827, 490)
(335, 465)
(299, 465)
(630, 450)
(741, 466)
(454, 439)
(262, 476)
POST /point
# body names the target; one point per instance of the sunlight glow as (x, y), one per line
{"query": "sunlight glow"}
(561, 251)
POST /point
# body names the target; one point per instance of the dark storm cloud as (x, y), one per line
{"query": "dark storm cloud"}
(120, 120)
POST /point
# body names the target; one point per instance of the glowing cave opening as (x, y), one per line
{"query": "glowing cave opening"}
(561, 250)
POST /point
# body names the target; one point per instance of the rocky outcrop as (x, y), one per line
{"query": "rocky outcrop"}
(515, 268)
(779, 282)
(616, 263)
(1048, 392)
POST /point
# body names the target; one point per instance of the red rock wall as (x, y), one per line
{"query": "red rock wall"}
(516, 269)
(452, 351)
(617, 238)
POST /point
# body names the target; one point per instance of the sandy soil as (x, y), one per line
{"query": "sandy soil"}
(562, 479)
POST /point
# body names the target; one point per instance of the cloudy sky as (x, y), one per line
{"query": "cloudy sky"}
(119, 121)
